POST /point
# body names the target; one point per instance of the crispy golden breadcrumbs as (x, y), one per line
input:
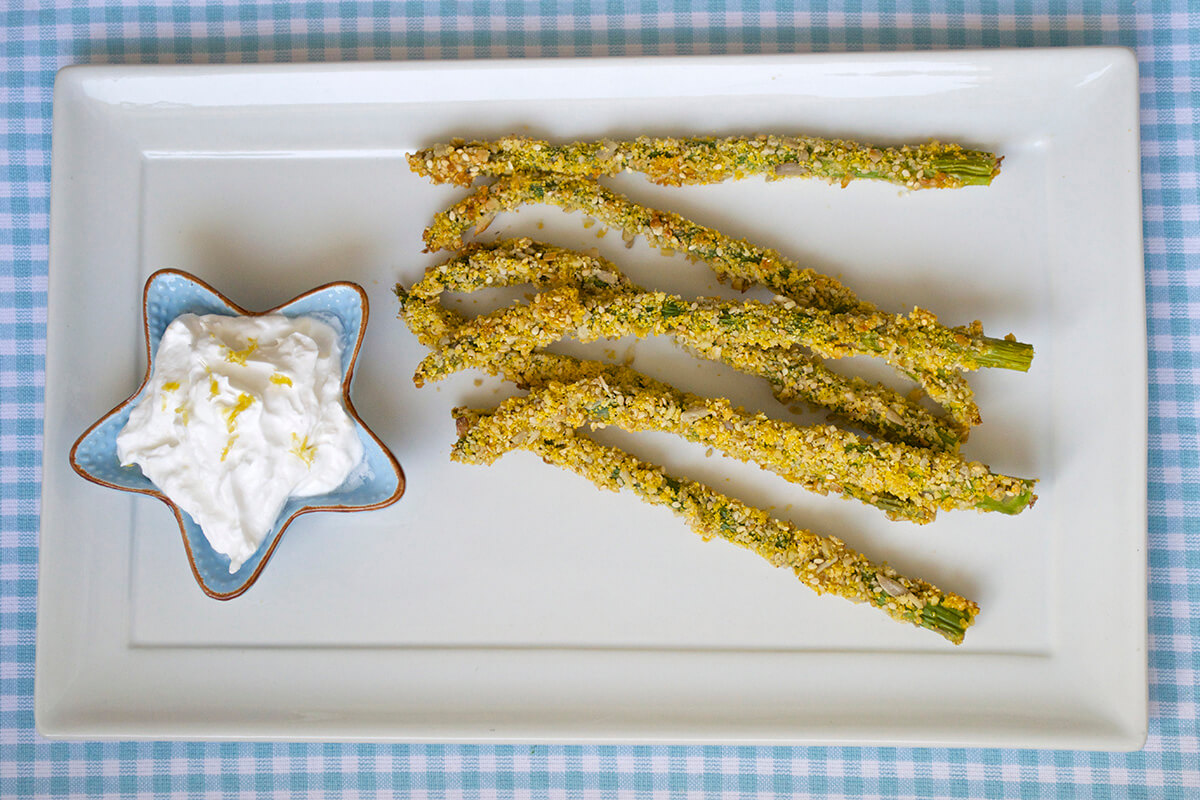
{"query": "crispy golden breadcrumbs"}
(705, 159)
(908, 482)
(822, 563)
(731, 259)
(794, 376)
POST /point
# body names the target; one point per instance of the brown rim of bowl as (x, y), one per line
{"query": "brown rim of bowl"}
(353, 358)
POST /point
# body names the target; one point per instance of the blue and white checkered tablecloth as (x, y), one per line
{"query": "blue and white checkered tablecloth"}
(36, 39)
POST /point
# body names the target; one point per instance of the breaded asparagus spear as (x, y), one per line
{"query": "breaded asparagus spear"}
(707, 159)
(793, 375)
(914, 342)
(906, 482)
(823, 563)
(730, 258)
(821, 458)
(432, 323)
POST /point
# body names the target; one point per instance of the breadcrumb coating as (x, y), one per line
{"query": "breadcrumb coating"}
(823, 563)
(674, 161)
(911, 473)
(732, 259)
(913, 342)
(908, 482)
(795, 376)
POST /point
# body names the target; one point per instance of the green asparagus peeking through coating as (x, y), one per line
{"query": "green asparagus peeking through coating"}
(706, 159)
(821, 458)
(794, 375)
(730, 258)
(612, 313)
(823, 563)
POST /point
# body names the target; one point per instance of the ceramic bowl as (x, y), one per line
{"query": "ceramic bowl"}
(170, 293)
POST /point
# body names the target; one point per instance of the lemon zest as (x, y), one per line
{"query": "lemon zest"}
(244, 401)
(239, 356)
(302, 450)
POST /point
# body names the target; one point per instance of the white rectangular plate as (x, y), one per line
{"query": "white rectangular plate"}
(517, 602)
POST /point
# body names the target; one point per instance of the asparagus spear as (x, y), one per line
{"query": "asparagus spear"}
(950, 390)
(612, 313)
(729, 258)
(823, 563)
(706, 159)
(511, 262)
(821, 458)
(796, 377)
(793, 375)
(906, 482)
(432, 323)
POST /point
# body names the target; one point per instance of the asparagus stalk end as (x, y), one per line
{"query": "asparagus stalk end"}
(1006, 354)
(1013, 504)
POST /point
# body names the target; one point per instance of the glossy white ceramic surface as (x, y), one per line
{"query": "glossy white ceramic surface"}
(517, 602)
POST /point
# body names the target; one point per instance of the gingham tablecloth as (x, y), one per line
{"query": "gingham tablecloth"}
(37, 39)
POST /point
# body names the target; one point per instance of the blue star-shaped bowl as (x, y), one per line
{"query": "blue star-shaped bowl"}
(170, 293)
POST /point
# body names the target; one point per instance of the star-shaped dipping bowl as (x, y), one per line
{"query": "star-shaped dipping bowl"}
(377, 483)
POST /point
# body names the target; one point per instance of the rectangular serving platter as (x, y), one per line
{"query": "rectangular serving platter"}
(516, 602)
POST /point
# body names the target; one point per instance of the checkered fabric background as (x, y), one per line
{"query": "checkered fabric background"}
(38, 38)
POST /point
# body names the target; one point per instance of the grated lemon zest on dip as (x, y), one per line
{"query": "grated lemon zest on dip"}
(302, 450)
(239, 356)
(244, 401)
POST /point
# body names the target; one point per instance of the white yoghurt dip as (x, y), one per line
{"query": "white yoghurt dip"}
(240, 414)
